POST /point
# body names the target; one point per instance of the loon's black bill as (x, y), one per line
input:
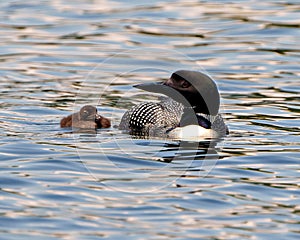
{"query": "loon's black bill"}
(151, 87)
(160, 87)
(157, 87)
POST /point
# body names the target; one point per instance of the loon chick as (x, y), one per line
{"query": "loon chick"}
(190, 109)
(86, 118)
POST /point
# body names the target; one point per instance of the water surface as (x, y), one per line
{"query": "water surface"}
(57, 56)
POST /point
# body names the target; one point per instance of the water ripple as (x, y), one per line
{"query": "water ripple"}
(59, 184)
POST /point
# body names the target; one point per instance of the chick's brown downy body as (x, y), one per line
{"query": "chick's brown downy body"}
(87, 117)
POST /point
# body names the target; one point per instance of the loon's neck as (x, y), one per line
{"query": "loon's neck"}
(190, 117)
(196, 110)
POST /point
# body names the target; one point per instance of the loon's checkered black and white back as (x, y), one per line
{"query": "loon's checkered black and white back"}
(151, 118)
(157, 119)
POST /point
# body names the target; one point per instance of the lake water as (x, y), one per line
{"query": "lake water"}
(57, 56)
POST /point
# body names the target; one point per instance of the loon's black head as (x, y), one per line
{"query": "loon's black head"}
(191, 88)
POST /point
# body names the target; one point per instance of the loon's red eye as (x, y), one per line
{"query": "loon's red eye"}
(185, 84)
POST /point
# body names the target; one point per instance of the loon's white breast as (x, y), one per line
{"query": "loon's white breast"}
(192, 132)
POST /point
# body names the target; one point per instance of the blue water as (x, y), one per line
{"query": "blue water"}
(57, 56)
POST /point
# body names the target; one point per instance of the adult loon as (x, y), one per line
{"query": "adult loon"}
(191, 109)
(86, 118)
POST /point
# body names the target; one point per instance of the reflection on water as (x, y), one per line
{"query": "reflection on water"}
(57, 56)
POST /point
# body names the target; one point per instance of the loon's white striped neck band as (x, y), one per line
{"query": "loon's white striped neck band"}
(200, 114)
